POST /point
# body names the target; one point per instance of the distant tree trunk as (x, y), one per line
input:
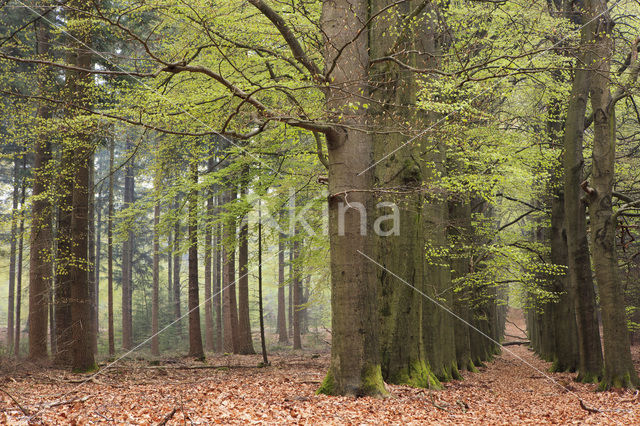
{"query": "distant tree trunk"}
(297, 290)
(176, 278)
(217, 279)
(40, 266)
(208, 303)
(110, 212)
(282, 319)
(169, 268)
(127, 256)
(97, 268)
(619, 370)
(18, 331)
(580, 279)
(12, 254)
(230, 310)
(92, 257)
(263, 341)
(155, 302)
(195, 334)
(245, 344)
(291, 274)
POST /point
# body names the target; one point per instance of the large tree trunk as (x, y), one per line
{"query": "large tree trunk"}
(244, 324)
(98, 249)
(355, 357)
(579, 263)
(40, 267)
(195, 334)
(79, 83)
(230, 309)
(618, 365)
(110, 330)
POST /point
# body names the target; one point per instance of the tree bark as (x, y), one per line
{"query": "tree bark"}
(176, 278)
(230, 309)
(355, 358)
(282, 319)
(40, 266)
(297, 289)
(127, 257)
(579, 263)
(93, 337)
(110, 212)
(155, 296)
(618, 365)
(12, 255)
(18, 331)
(195, 333)
(208, 302)
(217, 279)
(244, 324)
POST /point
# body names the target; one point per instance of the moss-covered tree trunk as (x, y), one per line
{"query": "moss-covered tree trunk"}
(618, 365)
(579, 262)
(355, 358)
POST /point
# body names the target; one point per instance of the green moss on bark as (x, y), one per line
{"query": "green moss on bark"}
(372, 382)
(327, 386)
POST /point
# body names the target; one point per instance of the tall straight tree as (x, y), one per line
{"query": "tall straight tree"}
(177, 315)
(17, 334)
(245, 344)
(155, 297)
(208, 302)
(195, 334)
(283, 335)
(229, 309)
(619, 370)
(40, 267)
(579, 263)
(110, 212)
(127, 255)
(79, 85)
(12, 253)
(216, 277)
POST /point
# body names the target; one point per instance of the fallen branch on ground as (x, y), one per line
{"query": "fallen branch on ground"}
(522, 342)
(24, 410)
(168, 417)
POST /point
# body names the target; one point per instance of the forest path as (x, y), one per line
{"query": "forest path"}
(515, 388)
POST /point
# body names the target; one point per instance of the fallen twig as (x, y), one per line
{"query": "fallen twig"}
(24, 410)
(590, 410)
(68, 401)
(521, 342)
(168, 417)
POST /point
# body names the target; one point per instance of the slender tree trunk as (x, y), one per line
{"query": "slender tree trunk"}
(290, 294)
(169, 268)
(98, 249)
(618, 365)
(195, 334)
(297, 290)
(16, 349)
(217, 279)
(580, 280)
(127, 257)
(244, 324)
(40, 266)
(208, 302)
(282, 319)
(176, 278)
(110, 212)
(263, 341)
(12, 255)
(155, 302)
(92, 258)
(355, 357)
(230, 310)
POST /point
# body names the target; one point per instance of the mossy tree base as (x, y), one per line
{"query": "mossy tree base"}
(626, 381)
(418, 375)
(371, 384)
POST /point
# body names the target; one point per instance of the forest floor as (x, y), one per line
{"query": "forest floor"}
(515, 388)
